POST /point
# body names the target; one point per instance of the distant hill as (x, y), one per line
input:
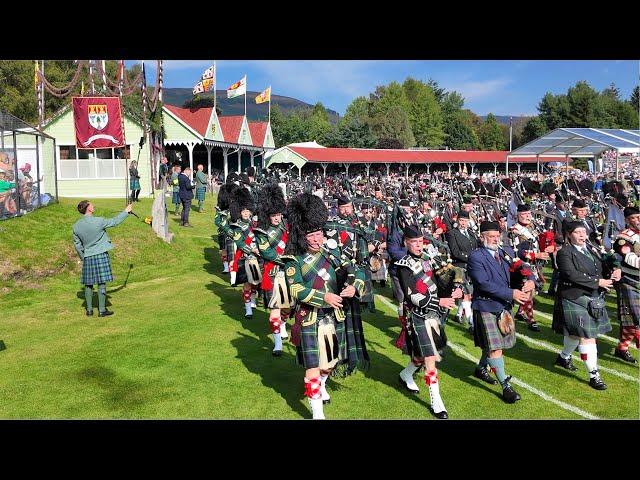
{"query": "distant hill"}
(504, 119)
(235, 106)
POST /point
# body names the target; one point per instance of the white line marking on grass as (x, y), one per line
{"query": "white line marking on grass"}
(546, 346)
(461, 351)
(551, 348)
(605, 337)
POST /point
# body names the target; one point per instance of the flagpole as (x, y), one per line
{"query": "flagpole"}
(269, 105)
(245, 95)
(215, 89)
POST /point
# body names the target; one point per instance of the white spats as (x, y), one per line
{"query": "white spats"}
(326, 398)
(277, 339)
(226, 267)
(468, 313)
(407, 376)
(283, 330)
(248, 311)
(316, 408)
(437, 405)
(253, 299)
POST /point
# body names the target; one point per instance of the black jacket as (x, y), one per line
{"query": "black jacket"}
(579, 275)
(461, 246)
(186, 188)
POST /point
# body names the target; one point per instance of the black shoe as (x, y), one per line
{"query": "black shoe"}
(443, 415)
(471, 330)
(565, 363)
(404, 384)
(509, 395)
(327, 401)
(520, 317)
(533, 326)
(89, 312)
(248, 316)
(106, 313)
(597, 383)
(276, 353)
(551, 292)
(624, 355)
(483, 375)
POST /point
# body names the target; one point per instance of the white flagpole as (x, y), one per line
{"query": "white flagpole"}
(245, 95)
(269, 105)
(215, 88)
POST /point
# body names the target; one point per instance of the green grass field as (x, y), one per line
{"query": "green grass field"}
(179, 346)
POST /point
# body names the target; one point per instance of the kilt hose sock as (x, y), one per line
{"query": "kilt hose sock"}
(484, 360)
(88, 296)
(102, 297)
(497, 367)
(312, 390)
(570, 344)
(627, 335)
(589, 355)
(526, 309)
(312, 387)
(323, 388)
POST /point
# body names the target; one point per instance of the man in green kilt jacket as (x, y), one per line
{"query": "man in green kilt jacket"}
(320, 280)
(221, 220)
(93, 244)
(271, 234)
(201, 187)
(345, 232)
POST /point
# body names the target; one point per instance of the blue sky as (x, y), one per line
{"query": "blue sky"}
(503, 87)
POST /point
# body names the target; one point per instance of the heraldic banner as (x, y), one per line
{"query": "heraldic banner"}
(98, 122)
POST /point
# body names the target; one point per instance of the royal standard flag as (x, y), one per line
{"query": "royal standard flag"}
(238, 88)
(199, 88)
(265, 96)
(209, 72)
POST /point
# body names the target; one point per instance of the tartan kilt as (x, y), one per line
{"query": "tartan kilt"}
(357, 355)
(419, 344)
(308, 352)
(134, 184)
(241, 276)
(200, 193)
(628, 305)
(486, 333)
(368, 286)
(571, 317)
(96, 269)
(176, 198)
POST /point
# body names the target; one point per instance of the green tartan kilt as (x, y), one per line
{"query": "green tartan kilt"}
(486, 333)
(571, 317)
(200, 193)
(368, 285)
(628, 305)
(308, 352)
(96, 269)
(418, 340)
(134, 184)
(176, 198)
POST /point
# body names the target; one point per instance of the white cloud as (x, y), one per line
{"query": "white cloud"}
(477, 90)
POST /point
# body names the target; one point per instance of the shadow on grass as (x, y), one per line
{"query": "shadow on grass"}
(80, 295)
(119, 394)
(255, 350)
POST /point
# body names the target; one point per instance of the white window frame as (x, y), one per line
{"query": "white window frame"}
(95, 166)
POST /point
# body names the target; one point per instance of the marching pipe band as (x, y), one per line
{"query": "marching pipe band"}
(330, 248)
